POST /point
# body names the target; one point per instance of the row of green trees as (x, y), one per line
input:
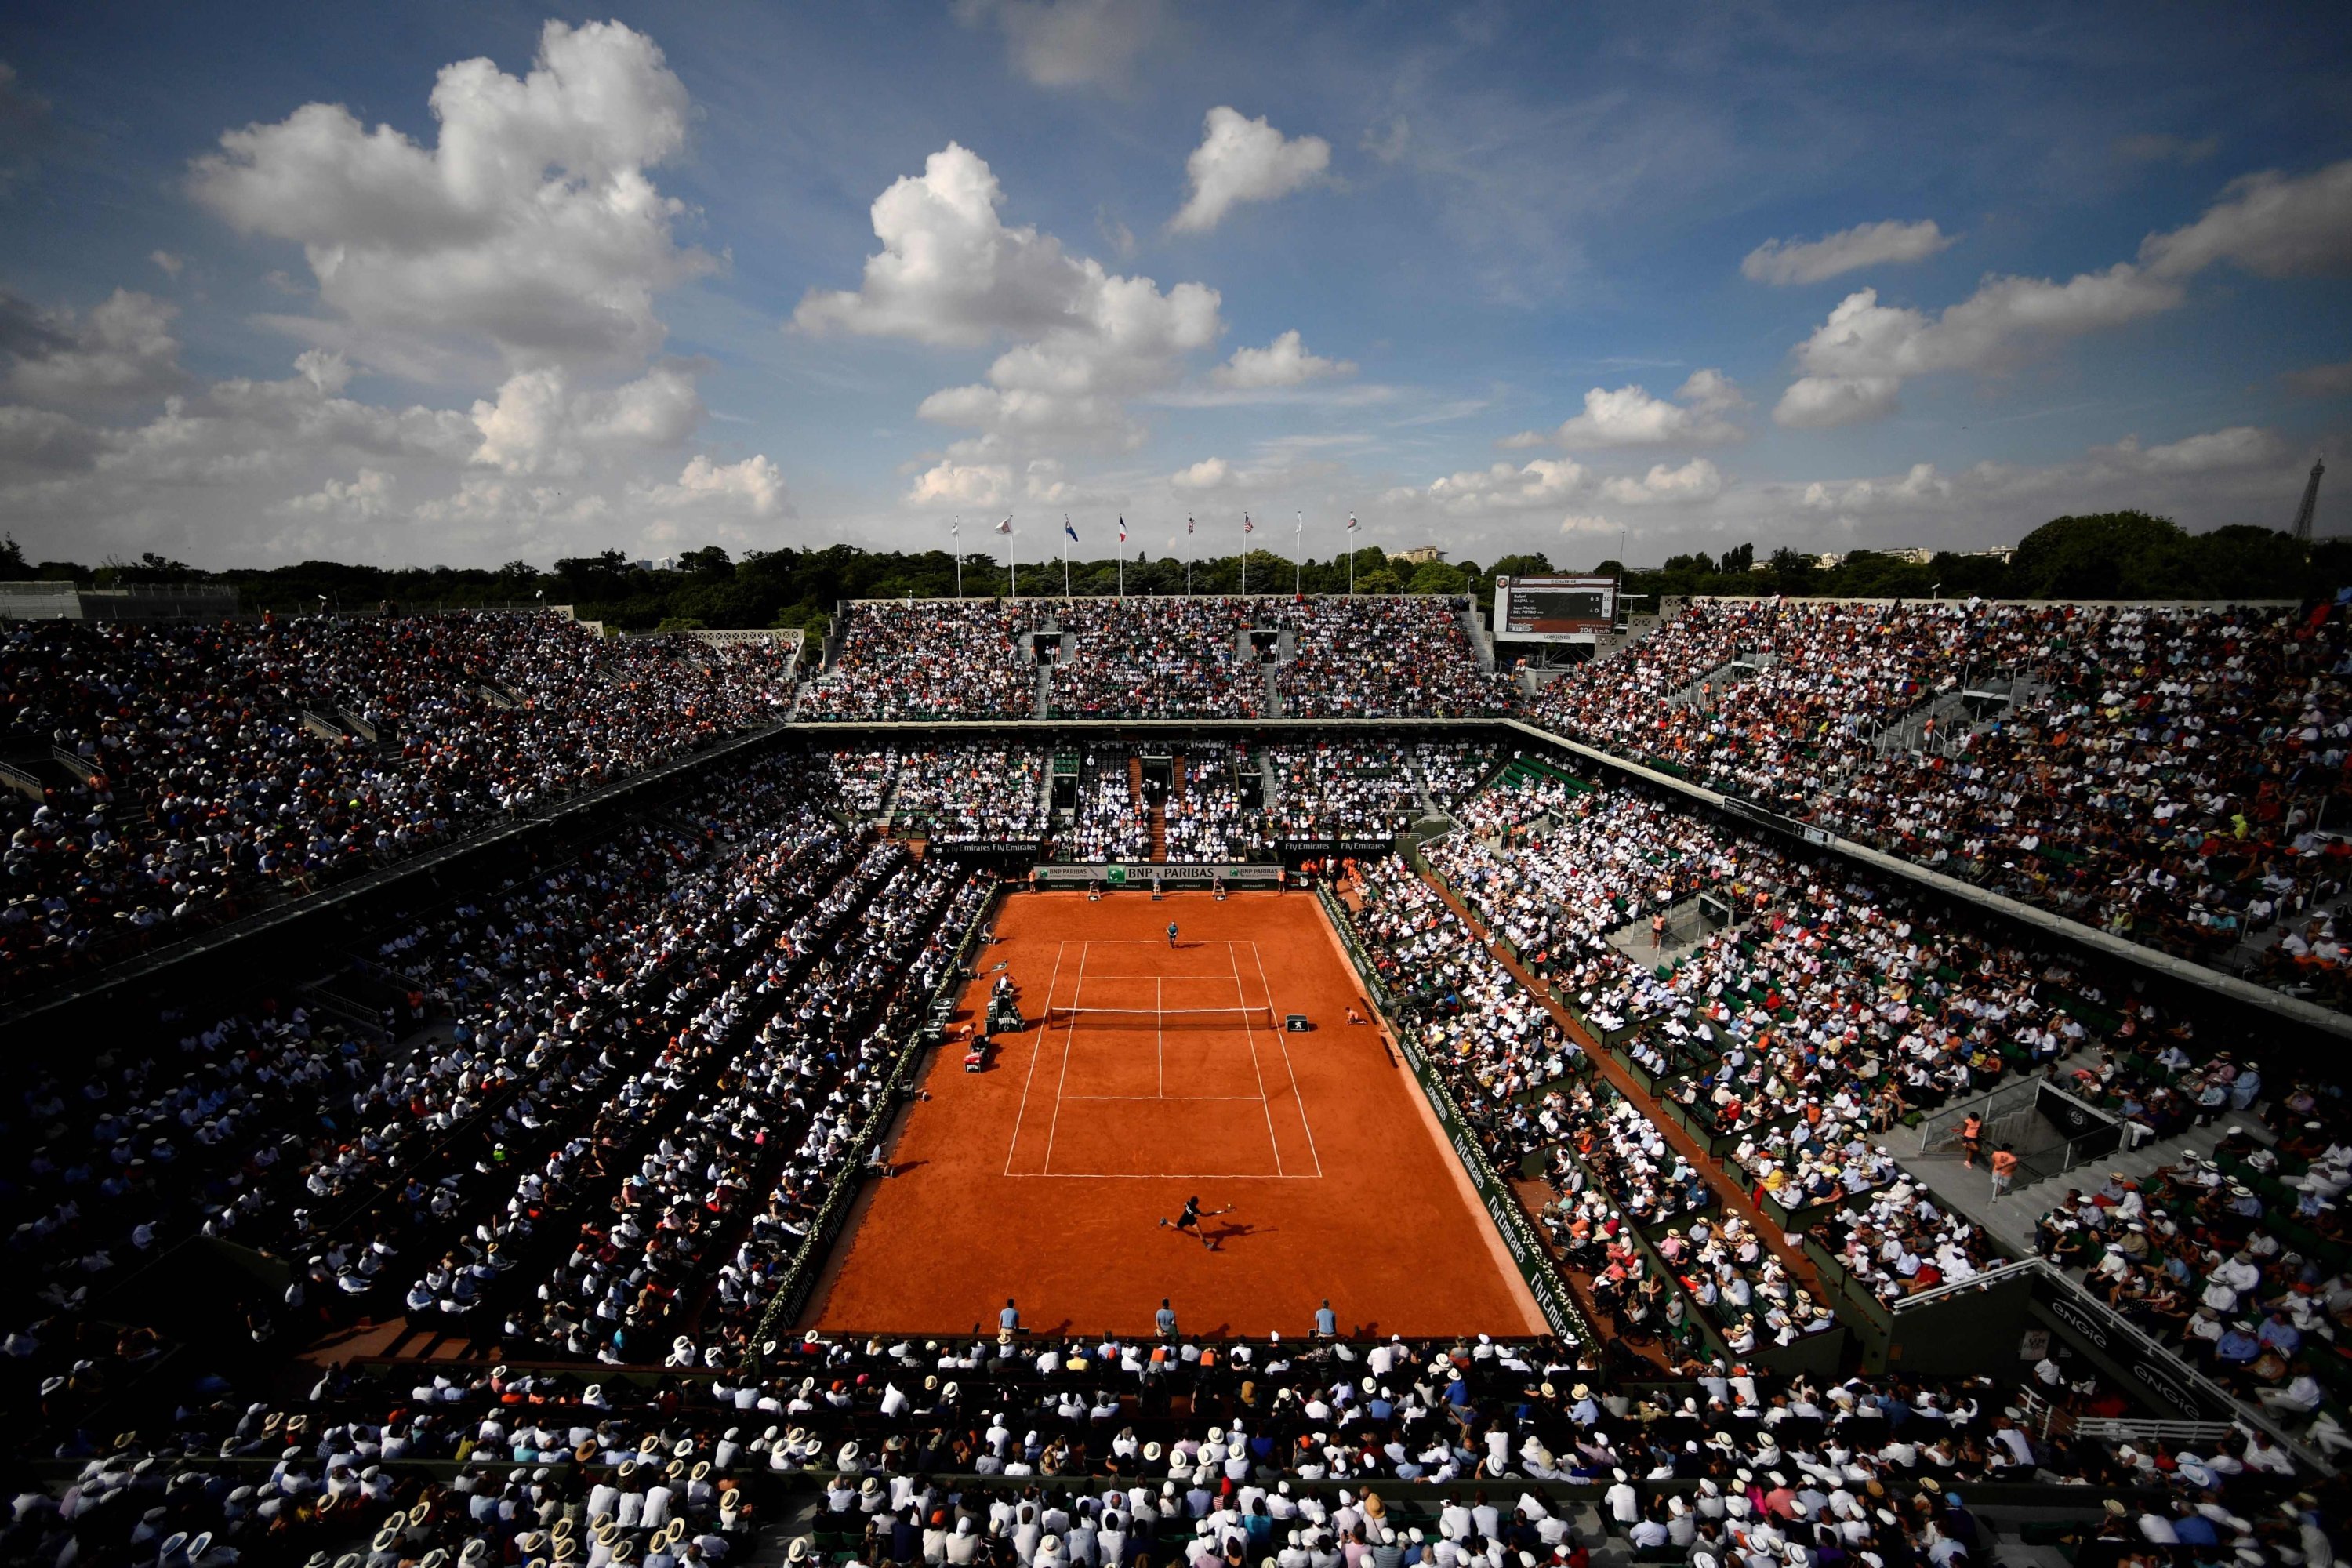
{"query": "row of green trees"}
(2109, 555)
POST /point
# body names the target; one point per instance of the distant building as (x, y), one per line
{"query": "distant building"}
(659, 563)
(36, 601)
(1421, 554)
(1830, 561)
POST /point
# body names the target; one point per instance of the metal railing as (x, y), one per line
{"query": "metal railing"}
(2042, 1418)
(1998, 1273)
(2248, 1415)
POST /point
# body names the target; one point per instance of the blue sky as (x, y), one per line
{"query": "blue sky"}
(444, 283)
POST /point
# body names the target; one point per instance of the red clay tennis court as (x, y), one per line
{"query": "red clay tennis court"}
(1158, 1074)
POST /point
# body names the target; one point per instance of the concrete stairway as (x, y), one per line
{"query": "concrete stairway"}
(2011, 1218)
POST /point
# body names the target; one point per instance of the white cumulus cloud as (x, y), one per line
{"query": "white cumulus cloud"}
(1285, 361)
(1631, 416)
(753, 484)
(952, 273)
(1855, 362)
(538, 423)
(362, 498)
(1786, 262)
(1696, 480)
(1505, 487)
(1208, 474)
(1853, 365)
(530, 223)
(1244, 160)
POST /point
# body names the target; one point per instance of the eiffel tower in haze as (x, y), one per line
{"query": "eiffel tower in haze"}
(2310, 501)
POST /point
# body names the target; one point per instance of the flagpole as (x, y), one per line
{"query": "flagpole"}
(1246, 538)
(955, 530)
(1188, 557)
(1066, 556)
(1297, 543)
(1122, 557)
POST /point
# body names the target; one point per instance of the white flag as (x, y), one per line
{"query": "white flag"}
(1004, 527)
(1351, 522)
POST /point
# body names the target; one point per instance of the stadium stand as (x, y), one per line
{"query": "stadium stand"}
(931, 659)
(2158, 771)
(1385, 658)
(170, 776)
(1158, 658)
(511, 1228)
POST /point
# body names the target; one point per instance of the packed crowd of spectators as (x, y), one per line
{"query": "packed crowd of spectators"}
(648, 1074)
(187, 773)
(1453, 770)
(930, 658)
(1494, 1043)
(862, 779)
(1385, 658)
(1799, 1030)
(2161, 772)
(1120, 1452)
(973, 792)
(1345, 791)
(286, 1130)
(2236, 1258)
(1158, 658)
(1205, 820)
(685, 1242)
(1112, 822)
(1167, 658)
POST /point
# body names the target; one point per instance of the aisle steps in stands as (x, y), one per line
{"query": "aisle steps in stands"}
(1419, 782)
(1159, 835)
(2009, 1219)
(1044, 707)
(1273, 693)
(1906, 732)
(1270, 794)
(1482, 641)
(1716, 681)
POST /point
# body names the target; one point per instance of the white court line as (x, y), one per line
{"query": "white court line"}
(1069, 1041)
(1160, 1033)
(1180, 979)
(1176, 1098)
(1251, 1035)
(1297, 1096)
(1155, 1177)
(1022, 1114)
